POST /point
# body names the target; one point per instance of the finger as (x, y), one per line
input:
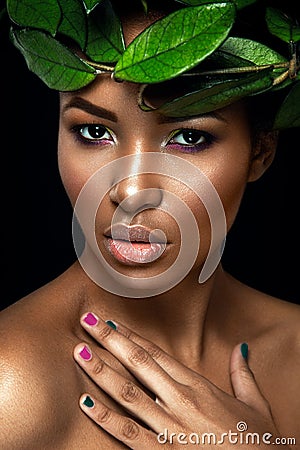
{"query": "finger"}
(134, 357)
(125, 392)
(243, 382)
(177, 370)
(122, 428)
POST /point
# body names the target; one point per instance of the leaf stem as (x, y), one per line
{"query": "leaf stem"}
(282, 77)
(246, 69)
(101, 68)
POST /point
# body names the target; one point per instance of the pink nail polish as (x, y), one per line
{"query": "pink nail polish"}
(90, 319)
(85, 353)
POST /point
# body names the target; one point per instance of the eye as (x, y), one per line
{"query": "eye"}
(93, 133)
(190, 140)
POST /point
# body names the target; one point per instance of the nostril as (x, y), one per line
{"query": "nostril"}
(132, 196)
(142, 199)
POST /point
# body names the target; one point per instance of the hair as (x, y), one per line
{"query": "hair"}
(262, 110)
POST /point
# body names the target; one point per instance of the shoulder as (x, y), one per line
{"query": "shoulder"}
(279, 361)
(33, 353)
(271, 326)
(264, 311)
(275, 359)
(271, 322)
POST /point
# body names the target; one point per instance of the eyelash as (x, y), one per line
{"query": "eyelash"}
(205, 139)
(79, 131)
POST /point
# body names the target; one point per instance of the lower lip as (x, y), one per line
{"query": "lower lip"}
(132, 253)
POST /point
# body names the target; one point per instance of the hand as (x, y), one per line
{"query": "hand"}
(179, 406)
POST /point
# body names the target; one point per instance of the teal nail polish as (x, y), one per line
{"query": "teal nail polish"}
(244, 350)
(88, 402)
(111, 324)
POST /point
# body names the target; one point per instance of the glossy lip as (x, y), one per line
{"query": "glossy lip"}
(134, 233)
(131, 245)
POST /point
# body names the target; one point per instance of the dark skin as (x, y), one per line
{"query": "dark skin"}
(200, 326)
(191, 334)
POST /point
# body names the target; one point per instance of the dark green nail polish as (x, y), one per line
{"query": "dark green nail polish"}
(111, 324)
(88, 402)
(244, 350)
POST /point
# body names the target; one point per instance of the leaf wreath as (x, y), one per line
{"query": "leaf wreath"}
(196, 40)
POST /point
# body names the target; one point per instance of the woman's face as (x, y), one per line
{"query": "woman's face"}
(102, 124)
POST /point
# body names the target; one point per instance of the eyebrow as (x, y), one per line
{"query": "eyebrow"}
(95, 110)
(213, 114)
(90, 108)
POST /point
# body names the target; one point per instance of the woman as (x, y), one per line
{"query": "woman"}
(164, 362)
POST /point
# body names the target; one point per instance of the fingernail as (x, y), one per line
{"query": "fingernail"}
(85, 353)
(111, 324)
(244, 350)
(88, 402)
(91, 319)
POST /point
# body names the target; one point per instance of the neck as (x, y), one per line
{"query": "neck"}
(175, 320)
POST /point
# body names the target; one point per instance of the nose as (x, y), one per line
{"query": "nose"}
(136, 193)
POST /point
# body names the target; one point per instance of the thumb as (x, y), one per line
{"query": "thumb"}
(243, 382)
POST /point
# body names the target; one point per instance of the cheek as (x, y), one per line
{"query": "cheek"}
(75, 168)
(230, 184)
(227, 180)
(72, 178)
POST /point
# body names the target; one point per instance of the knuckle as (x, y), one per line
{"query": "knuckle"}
(104, 415)
(243, 372)
(154, 351)
(104, 333)
(130, 430)
(185, 399)
(138, 356)
(188, 397)
(130, 392)
(245, 375)
(98, 367)
(127, 333)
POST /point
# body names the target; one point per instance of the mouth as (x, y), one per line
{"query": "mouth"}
(135, 244)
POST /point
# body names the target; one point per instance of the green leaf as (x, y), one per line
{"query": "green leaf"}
(217, 95)
(105, 36)
(74, 22)
(41, 14)
(176, 43)
(255, 53)
(223, 60)
(288, 115)
(199, 2)
(238, 3)
(282, 26)
(56, 65)
(90, 4)
(252, 51)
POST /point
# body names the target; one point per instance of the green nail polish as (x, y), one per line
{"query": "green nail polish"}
(111, 324)
(244, 350)
(88, 402)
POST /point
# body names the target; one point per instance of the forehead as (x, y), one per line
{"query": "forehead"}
(120, 101)
(135, 21)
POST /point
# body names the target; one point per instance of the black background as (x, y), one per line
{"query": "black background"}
(36, 236)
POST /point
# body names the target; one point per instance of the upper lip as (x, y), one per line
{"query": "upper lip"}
(133, 233)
